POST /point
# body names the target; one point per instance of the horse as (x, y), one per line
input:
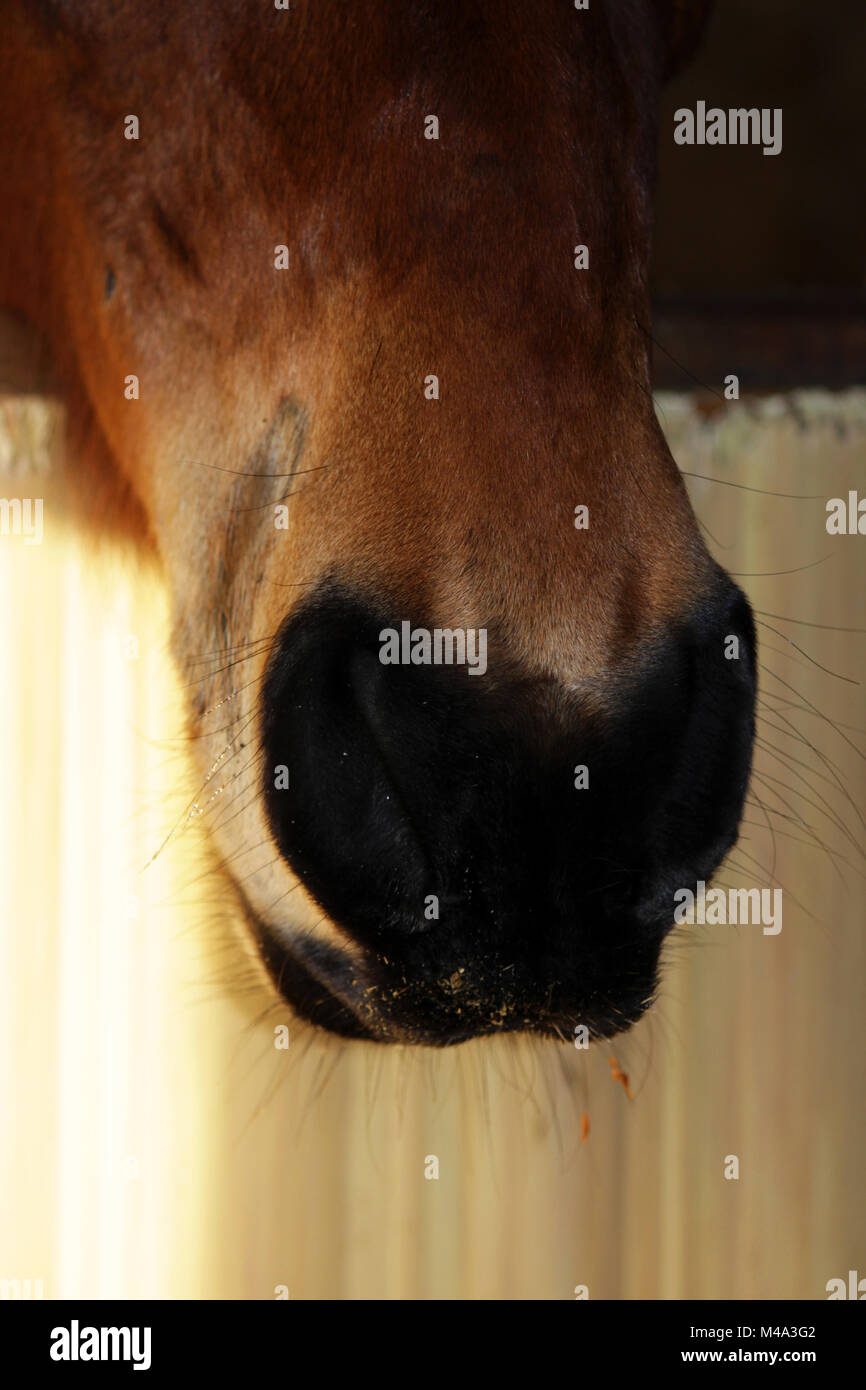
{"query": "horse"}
(349, 309)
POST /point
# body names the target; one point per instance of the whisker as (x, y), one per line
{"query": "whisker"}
(774, 574)
(826, 669)
(801, 622)
(242, 473)
(826, 719)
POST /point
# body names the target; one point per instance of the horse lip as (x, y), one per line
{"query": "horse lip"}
(286, 954)
(349, 994)
(335, 992)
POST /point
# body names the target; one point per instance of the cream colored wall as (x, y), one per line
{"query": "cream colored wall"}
(154, 1143)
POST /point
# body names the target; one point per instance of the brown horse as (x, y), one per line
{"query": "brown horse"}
(349, 304)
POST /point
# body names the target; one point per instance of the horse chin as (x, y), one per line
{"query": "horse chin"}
(365, 995)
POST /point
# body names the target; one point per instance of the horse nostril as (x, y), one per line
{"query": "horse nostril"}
(702, 773)
(340, 817)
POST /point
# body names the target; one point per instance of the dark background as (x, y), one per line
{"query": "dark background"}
(758, 258)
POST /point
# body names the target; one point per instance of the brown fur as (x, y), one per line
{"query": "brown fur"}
(407, 257)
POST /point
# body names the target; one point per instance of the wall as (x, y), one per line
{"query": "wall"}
(154, 1142)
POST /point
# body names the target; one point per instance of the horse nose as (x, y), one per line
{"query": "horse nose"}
(505, 828)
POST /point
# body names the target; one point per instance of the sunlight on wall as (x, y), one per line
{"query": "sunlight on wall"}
(102, 1100)
(155, 1143)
